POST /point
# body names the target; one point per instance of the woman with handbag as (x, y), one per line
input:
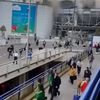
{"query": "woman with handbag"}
(73, 74)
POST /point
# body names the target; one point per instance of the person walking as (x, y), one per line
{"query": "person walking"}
(15, 55)
(54, 45)
(30, 54)
(79, 65)
(57, 83)
(35, 37)
(12, 48)
(50, 80)
(83, 84)
(87, 73)
(9, 50)
(44, 43)
(91, 58)
(37, 42)
(20, 51)
(40, 93)
(40, 86)
(72, 74)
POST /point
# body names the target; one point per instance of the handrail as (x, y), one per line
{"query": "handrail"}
(31, 81)
(26, 58)
(87, 93)
(95, 91)
(21, 86)
(48, 53)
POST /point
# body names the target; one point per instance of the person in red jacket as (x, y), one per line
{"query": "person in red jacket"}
(83, 85)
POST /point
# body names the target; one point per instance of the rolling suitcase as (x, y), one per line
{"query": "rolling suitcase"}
(77, 96)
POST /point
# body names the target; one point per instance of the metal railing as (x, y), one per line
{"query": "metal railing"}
(22, 62)
(31, 82)
(61, 67)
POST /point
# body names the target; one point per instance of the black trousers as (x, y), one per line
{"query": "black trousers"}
(78, 69)
(71, 79)
(50, 90)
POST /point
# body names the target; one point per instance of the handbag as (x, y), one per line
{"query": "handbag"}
(74, 77)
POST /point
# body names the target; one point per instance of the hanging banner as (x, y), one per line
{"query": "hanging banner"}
(20, 18)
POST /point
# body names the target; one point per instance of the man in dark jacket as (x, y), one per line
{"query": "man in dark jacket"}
(57, 83)
(55, 86)
(87, 73)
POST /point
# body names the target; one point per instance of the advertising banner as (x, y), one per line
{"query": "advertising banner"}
(20, 18)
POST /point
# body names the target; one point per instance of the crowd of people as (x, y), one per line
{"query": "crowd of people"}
(75, 71)
(18, 53)
(54, 80)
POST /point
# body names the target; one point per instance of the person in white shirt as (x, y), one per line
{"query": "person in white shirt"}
(79, 65)
(15, 55)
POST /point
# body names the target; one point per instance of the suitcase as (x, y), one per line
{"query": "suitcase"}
(76, 97)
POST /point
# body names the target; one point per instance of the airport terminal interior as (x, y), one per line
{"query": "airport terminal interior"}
(49, 49)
